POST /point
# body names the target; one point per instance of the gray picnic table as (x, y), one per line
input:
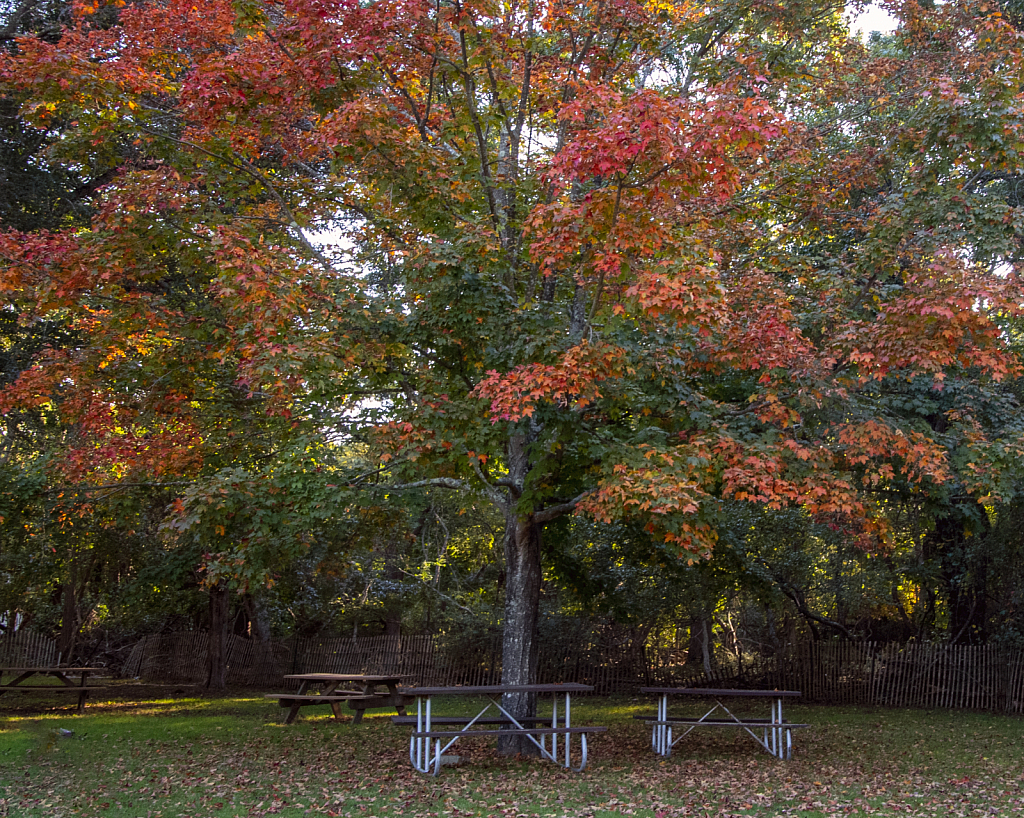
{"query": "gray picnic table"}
(774, 734)
(424, 723)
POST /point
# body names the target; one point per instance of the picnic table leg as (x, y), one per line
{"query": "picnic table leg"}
(661, 734)
(568, 736)
(18, 680)
(782, 732)
(419, 748)
(293, 711)
(777, 750)
(368, 689)
(554, 723)
(583, 754)
(396, 698)
(81, 683)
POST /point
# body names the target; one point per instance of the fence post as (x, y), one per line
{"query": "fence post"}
(295, 653)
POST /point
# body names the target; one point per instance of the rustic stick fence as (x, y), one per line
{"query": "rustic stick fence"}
(864, 673)
(976, 677)
(26, 648)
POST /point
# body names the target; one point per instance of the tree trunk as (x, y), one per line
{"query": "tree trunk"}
(259, 617)
(700, 650)
(965, 578)
(69, 616)
(519, 645)
(217, 657)
(72, 615)
(393, 608)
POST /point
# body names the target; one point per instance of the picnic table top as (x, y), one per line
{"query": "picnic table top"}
(343, 677)
(718, 692)
(490, 690)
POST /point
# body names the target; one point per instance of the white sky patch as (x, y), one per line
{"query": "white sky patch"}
(873, 18)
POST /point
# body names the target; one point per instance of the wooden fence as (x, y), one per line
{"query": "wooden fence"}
(25, 648)
(976, 677)
(181, 658)
(866, 673)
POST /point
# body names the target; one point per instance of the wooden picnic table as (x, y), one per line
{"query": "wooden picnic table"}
(776, 733)
(62, 674)
(360, 692)
(425, 723)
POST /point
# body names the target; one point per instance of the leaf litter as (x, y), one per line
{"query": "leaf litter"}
(870, 763)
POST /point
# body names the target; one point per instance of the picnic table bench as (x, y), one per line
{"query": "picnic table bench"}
(776, 733)
(427, 760)
(61, 674)
(326, 691)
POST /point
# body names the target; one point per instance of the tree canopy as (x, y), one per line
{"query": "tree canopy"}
(634, 260)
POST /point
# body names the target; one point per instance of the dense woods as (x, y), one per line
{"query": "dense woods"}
(325, 317)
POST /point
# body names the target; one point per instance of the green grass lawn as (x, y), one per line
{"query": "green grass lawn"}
(137, 755)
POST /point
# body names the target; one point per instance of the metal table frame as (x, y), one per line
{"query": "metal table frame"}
(776, 736)
(426, 761)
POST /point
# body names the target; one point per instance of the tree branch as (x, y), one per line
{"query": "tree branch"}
(7, 32)
(86, 489)
(433, 482)
(553, 512)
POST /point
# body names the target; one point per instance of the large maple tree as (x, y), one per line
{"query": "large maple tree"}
(627, 259)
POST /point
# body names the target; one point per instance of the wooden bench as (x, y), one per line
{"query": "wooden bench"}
(82, 691)
(54, 688)
(297, 700)
(376, 701)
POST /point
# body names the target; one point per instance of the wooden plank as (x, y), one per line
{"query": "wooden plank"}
(928, 675)
(44, 688)
(896, 660)
(947, 678)
(960, 692)
(916, 657)
(955, 677)
(975, 679)
(1016, 692)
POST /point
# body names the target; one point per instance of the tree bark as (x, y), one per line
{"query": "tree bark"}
(259, 617)
(700, 648)
(69, 615)
(72, 615)
(519, 644)
(217, 657)
(964, 576)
